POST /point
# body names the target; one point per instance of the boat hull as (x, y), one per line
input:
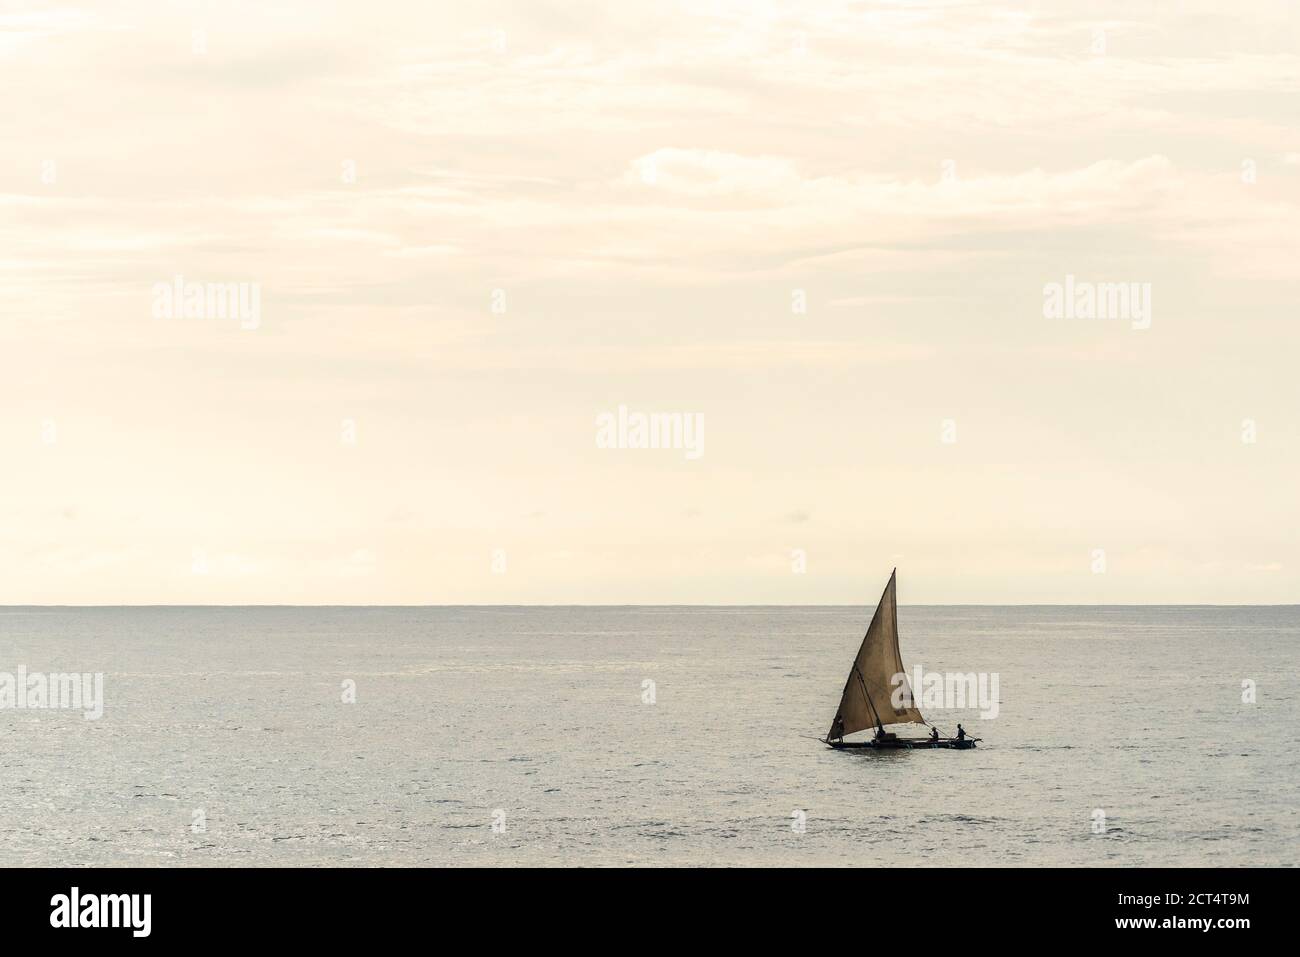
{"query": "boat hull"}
(907, 744)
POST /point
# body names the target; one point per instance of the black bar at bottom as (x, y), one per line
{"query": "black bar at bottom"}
(336, 906)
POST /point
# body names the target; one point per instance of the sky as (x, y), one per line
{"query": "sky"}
(824, 236)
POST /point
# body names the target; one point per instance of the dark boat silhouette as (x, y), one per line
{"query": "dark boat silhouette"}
(869, 700)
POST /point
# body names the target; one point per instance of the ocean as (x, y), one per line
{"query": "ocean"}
(646, 736)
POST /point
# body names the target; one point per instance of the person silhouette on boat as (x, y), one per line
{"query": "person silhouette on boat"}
(837, 728)
(961, 733)
(880, 731)
(934, 733)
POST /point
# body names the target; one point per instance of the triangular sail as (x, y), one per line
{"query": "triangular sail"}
(869, 692)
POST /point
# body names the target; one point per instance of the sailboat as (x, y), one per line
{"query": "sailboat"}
(869, 700)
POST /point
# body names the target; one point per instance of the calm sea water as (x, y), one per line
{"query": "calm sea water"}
(537, 716)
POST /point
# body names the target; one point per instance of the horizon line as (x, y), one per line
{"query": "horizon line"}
(685, 605)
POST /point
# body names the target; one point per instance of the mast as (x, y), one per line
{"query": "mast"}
(875, 715)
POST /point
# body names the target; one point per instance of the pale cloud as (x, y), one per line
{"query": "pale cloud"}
(712, 173)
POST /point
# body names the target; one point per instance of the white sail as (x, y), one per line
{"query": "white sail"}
(868, 697)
